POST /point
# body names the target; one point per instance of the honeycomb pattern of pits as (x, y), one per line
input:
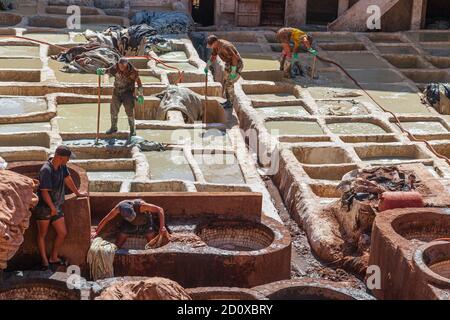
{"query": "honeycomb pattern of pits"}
(236, 235)
(38, 290)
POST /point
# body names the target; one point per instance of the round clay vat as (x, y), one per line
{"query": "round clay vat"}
(311, 289)
(38, 289)
(9, 19)
(224, 293)
(422, 225)
(433, 261)
(236, 235)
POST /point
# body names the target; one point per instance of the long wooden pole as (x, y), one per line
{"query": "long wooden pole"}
(98, 109)
(313, 71)
(206, 98)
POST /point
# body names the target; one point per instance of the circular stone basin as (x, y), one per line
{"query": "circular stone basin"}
(309, 292)
(433, 259)
(219, 293)
(236, 235)
(38, 289)
(9, 19)
(422, 226)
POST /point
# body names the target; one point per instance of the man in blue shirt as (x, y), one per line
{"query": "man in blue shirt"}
(53, 177)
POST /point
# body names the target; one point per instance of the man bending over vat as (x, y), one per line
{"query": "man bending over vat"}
(53, 177)
(233, 65)
(289, 56)
(136, 220)
(124, 85)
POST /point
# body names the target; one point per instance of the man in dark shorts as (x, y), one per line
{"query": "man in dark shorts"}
(124, 85)
(136, 220)
(53, 177)
(233, 65)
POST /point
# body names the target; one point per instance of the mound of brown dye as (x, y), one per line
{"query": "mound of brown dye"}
(149, 289)
(17, 197)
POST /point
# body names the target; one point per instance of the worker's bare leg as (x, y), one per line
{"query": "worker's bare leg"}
(149, 236)
(61, 233)
(42, 232)
(121, 239)
(128, 103)
(114, 111)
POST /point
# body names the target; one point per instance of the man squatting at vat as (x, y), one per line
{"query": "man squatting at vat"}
(233, 65)
(125, 77)
(136, 220)
(53, 177)
(289, 56)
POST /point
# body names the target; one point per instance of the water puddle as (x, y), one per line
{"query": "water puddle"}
(397, 49)
(174, 56)
(183, 66)
(25, 127)
(341, 107)
(282, 111)
(424, 127)
(220, 168)
(7, 63)
(276, 97)
(388, 159)
(82, 117)
(210, 137)
(361, 128)
(70, 77)
(170, 164)
(297, 128)
(359, 60)
(20, 106)
(260, 64)
(19, 51)
(49, 37)
(397, 99)
(110, 175)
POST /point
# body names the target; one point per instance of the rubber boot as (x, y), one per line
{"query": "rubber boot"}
(113, 128)
(227, 104)
(132, 127)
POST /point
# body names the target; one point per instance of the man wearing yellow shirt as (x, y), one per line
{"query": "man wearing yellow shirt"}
(287, 35)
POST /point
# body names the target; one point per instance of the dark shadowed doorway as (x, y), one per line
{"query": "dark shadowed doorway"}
(203, 12)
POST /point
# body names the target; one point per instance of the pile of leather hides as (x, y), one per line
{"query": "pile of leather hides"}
(368, 184)
(17, 197)
(181, 99)
(128, 41)
(90, 60)
(437, 95)
(154, 288)
(165, 22)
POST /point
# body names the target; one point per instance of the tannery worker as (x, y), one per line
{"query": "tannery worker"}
(290, 55)
(124, 86)
(233, 65)
(136, 220)
(53, 177)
